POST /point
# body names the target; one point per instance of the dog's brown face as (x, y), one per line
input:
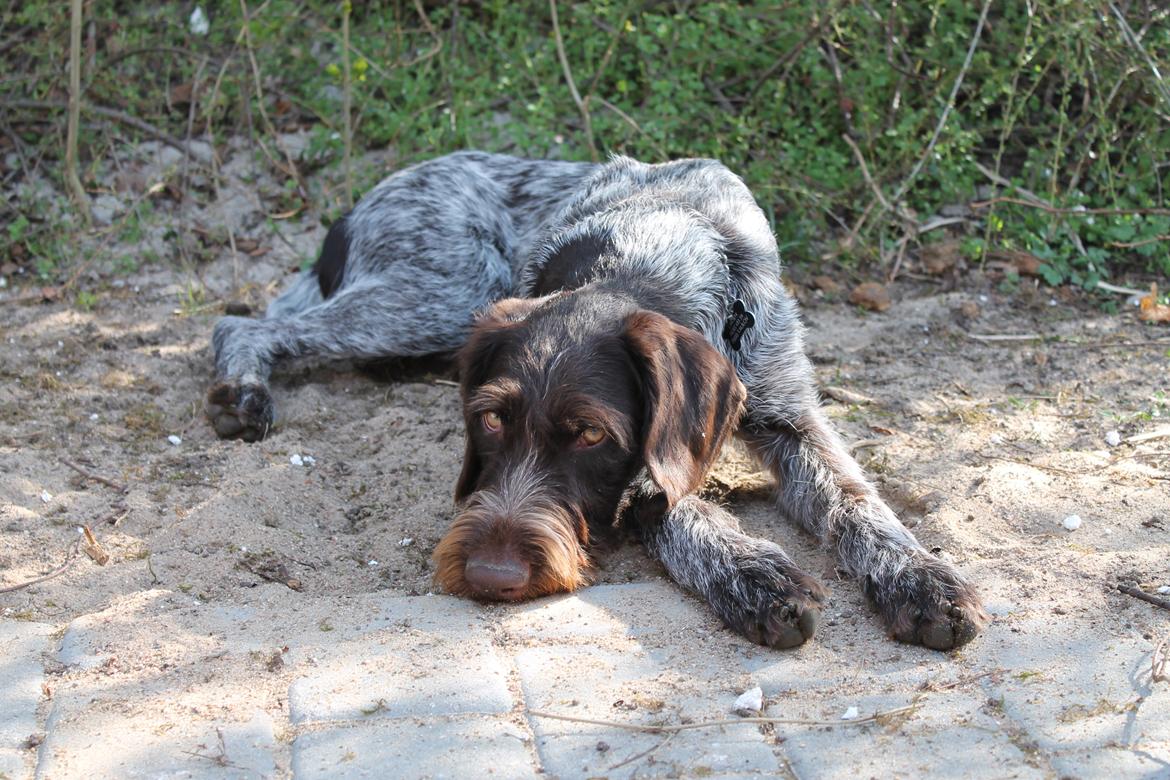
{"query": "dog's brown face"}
(565, 399)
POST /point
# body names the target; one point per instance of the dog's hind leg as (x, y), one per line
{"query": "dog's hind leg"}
(922, 599)
(392, 315)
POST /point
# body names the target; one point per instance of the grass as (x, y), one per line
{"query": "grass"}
(1058, 144)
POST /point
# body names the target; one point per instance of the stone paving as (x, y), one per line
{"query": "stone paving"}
(432, 686)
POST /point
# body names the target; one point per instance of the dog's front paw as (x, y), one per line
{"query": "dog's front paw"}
(240, 411)
(769, 600)
(928, 602)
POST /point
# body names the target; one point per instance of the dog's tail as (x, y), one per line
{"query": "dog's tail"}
(304, 293)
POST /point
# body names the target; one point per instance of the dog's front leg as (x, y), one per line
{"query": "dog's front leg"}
(750, 583)
(923, 599)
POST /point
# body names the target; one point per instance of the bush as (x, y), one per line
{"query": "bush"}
(1060, 101)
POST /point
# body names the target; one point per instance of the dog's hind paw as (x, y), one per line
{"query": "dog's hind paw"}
(770, 601)
(929, 603)
(240, 411)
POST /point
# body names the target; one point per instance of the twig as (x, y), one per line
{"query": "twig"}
(347, 102)
(75, 113)
(942, 120)
(1071, 212)
(108, 113)
(707, 724)
(1138, 593)
(632, 123)
(582, 105)
(1159, 433)
(291, 171)
(845, 396)
(96, 478)
(1132, 40)
(1158, 661)
(70, 554)
(1122, 290)
(877, 191)
(1001, 181)
(644, 753)
(994, 337)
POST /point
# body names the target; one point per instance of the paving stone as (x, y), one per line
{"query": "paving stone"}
(632, 685)
(412, 748)
(949, 735)
(614, 610)
(21, 676)
(12, 765)
(408, 661)
(1080, 691)
(1142, 762)
(99, 743)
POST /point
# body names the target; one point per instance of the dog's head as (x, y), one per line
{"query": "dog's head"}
(566, 398)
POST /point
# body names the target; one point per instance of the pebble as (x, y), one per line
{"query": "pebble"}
(46, 496)
(94, 417)
(851, 714)
(1164, 589)
(1113, 438)
(175, 440)
(1072, 522)
(406, 542)
(296, 460)
(750, 702)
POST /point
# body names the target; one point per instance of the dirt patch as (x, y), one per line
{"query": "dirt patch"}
(983, 446)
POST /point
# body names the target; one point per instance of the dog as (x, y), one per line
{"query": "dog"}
(613, 325)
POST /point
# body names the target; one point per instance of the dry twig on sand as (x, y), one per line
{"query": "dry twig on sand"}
(70, 554)
(1138, 593)
(707, 724)
(95, 477)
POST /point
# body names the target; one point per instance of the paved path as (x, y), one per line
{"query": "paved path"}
(432, 686)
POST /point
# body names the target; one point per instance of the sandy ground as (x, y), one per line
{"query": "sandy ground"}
(984, 447)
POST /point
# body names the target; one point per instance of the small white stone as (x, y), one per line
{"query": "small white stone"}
(175, 440)
(94, 417)
(308, 459)
(372, 562)
(750, 702)
(983, 299)
(296, 460)
(46, 496)
(1164, 589)
(406, 542)
(1072, 522)
(851, 714)
(200, 25)
(1113, 438)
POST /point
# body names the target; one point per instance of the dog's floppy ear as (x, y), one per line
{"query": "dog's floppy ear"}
(492, 330)
(692, 396)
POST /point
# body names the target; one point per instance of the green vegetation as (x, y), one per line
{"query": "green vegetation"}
(1057, 142)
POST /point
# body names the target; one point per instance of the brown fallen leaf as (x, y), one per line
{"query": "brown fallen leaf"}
(826, 284)
(939, 258)
(1151, 310)
(181, 94)
(870, 295)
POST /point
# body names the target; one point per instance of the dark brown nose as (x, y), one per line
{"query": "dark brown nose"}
(498, 575)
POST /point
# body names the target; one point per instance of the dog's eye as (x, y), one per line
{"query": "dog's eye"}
(492, 421)
(591, 436)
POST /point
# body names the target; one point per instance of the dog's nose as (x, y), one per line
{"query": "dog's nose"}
(499, 575)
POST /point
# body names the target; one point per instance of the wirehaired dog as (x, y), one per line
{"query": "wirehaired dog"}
(614, 324)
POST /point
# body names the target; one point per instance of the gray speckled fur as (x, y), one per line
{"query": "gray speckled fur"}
(434, 243)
